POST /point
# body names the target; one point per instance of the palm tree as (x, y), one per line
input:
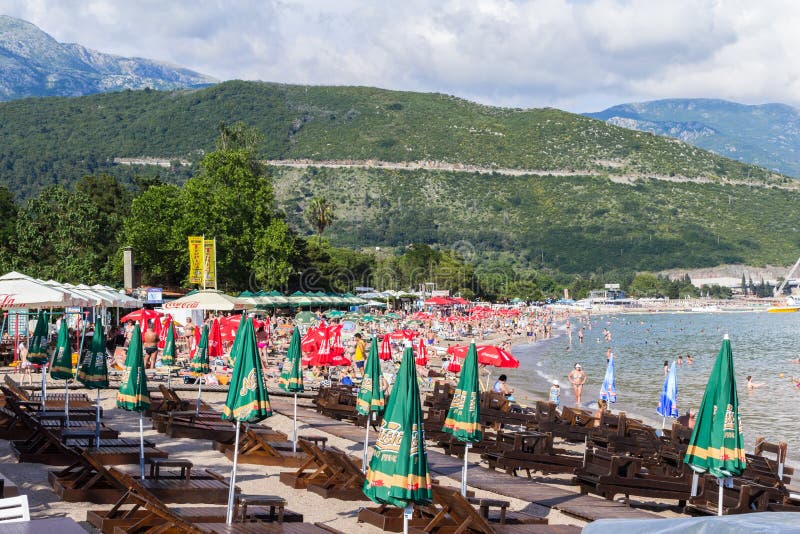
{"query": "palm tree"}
(320, 214)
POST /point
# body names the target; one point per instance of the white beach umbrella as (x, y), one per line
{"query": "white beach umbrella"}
(208, 299)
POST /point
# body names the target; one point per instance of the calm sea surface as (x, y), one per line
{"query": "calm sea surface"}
(762, 346)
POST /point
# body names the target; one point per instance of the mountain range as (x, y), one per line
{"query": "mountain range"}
(767, 135)
(34, 64)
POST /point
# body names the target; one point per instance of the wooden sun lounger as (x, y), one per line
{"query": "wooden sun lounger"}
(608, 474)
(162, 420)
(77, 409)
(314, 469)
(529, 451)
(744, 497)
(89, 480)
(337, 402)
(347, 480)
(53, 399)
(255, 449)
(456, 514)
(149, 515)
(173, 401)
(17, 424)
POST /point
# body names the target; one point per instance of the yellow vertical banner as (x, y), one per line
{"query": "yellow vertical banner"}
(195, 259)
(211, 262)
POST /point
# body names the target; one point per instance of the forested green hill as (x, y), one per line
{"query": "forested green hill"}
(57, 140)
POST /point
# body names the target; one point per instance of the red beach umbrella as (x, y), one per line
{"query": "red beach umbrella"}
(404, 334)
(487, 355)
(215, 340)
(142, 314)
(385, 352)
(162, 340)
(421, 357)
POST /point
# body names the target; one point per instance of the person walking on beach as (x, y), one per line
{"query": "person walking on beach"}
(577, 378)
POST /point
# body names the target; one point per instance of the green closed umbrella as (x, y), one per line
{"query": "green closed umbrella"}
(133, 395)
(462, 419)
(305, 317)
(717, 442)
(168, 353)
(198, 367)
(291, 378)
(37, 349)
(93, 371)
(370, 393)
(247, 398)
(61, 367)
(398, 470)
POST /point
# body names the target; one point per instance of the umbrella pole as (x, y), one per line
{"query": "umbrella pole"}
(695, 480)
(97, 422)
(66, 403)
(408, 512)
(467, 446)
(232, 489)
(199, 390)
(44, 386)
(366, 443)
(294, 426)
(141, 445)
(721, 482)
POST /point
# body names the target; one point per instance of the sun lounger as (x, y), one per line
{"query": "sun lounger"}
(456, 514)
(149, 514)
(255, 449)
(529, 451)
(89, 480)
(314, 469)
(337, 402)
(53, 399)
(607, 474)
(743, 497)
(346, 480)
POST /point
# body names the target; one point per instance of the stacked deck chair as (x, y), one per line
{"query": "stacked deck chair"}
(315, 469)
(54, 400)
(255, 448)
(337, 402)
(764, 486)
(529, 451)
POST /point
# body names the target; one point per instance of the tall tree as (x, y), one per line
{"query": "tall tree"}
(8, 224)
(320, 214)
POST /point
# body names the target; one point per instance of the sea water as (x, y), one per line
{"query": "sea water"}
(763, 345)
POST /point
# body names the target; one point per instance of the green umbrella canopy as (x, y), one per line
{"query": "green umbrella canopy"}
(370, 394)
(199, 364)
(398, 470)
(291, 378)
(247, 397)
(305, 317)
(61, 368)
(168, 354)
(37, 351)
(132, 394)
(717, 442)
(463, 416)
(93, 372)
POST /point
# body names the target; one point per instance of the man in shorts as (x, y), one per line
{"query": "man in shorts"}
(150, 347)
(359, 356)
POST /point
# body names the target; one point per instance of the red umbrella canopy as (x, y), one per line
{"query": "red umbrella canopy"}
(215, 340)
(335, 337)
(421, 356)
(385, 352)
(196, 341)
(141, 315)
(487, 355)
(439, 301)
(228, 326)
(421, 316)
(162, 337)
(404, 334)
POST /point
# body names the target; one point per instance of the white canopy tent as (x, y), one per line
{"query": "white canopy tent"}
(208, 300)
(20, 291)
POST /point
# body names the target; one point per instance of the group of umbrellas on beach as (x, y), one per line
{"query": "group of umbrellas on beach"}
(397, 473)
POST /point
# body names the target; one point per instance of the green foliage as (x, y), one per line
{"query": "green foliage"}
(320, 214)
(58, 235)
(8, 223)
(39, 144)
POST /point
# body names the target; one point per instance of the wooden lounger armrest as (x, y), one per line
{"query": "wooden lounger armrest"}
(215, 475)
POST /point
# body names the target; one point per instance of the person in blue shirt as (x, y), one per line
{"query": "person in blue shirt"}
(501, 387)
(555, 393)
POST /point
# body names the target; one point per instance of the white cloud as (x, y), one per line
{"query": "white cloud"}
(578, 55)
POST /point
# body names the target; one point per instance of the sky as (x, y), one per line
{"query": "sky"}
(576, 55)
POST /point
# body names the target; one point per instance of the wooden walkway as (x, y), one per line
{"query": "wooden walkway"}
(585, 507)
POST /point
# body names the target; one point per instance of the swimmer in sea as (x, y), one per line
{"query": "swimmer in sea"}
(752, 385)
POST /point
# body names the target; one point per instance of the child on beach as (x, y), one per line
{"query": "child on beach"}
(555, 393)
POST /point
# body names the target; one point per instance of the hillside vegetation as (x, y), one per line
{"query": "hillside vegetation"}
(57, 140)
(570, 224)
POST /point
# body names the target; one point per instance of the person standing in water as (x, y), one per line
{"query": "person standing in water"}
(555, 393)
(577, 378)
